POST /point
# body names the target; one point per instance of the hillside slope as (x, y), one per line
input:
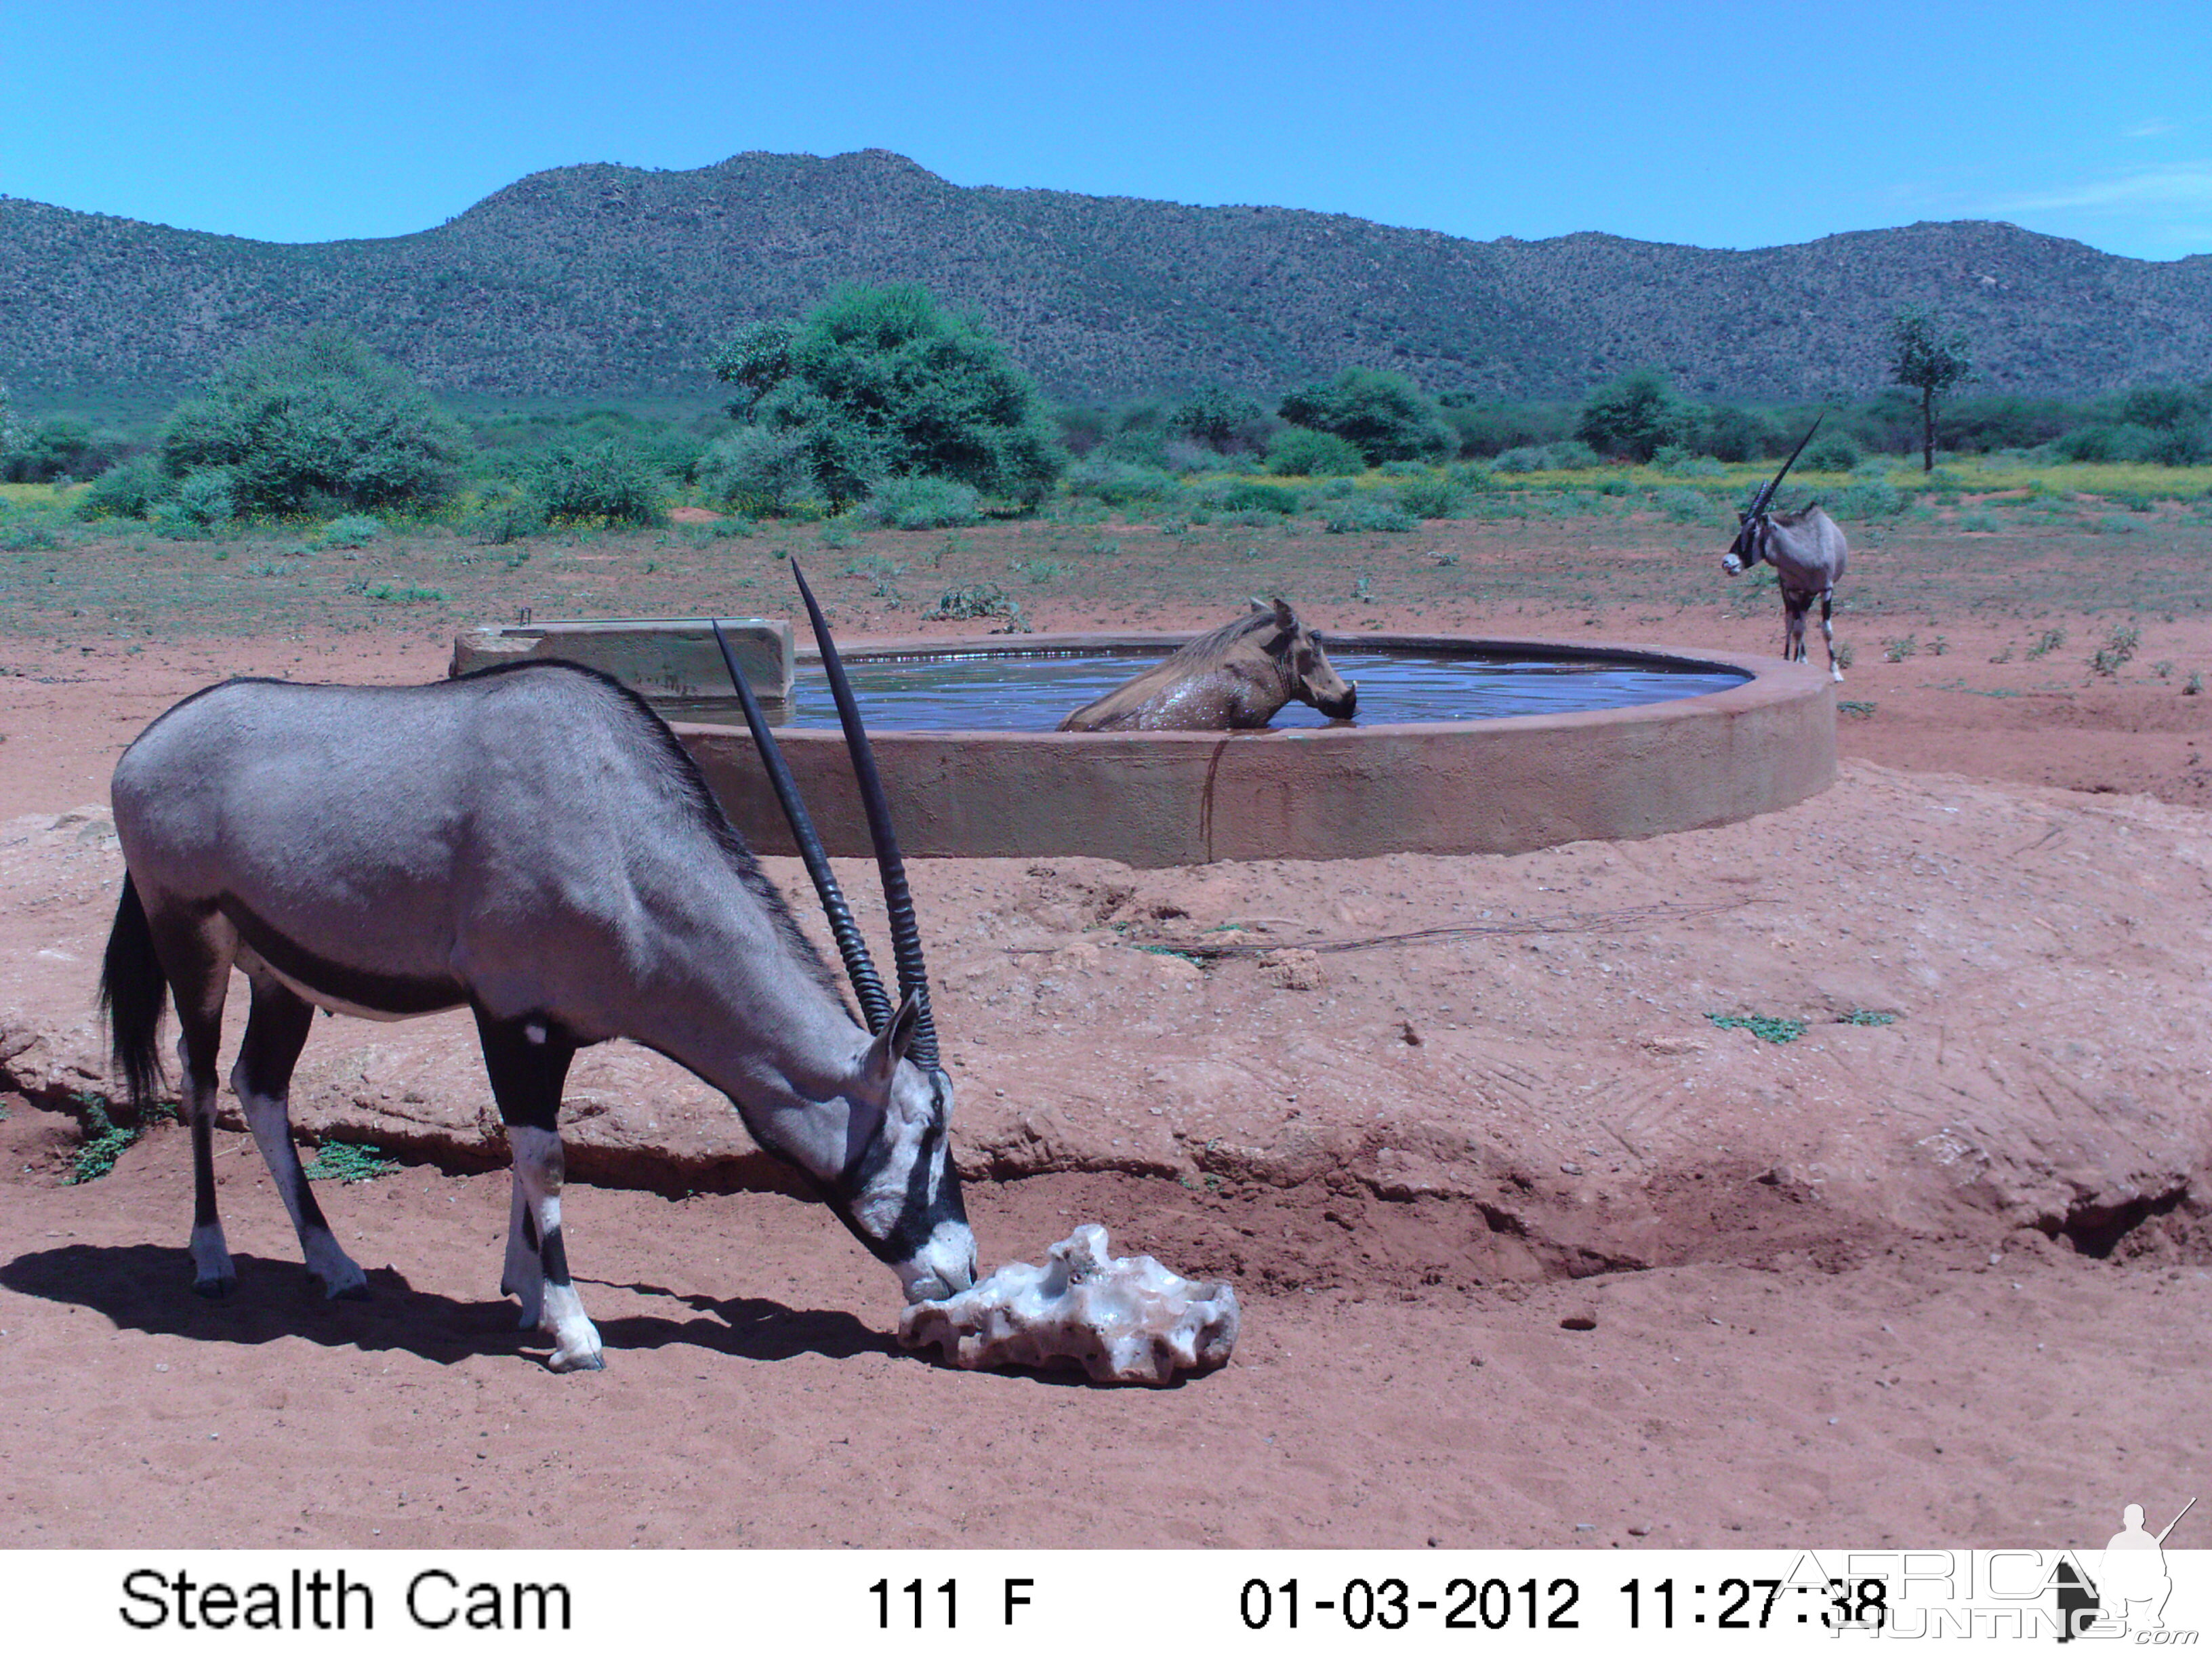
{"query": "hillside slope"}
(606, 280)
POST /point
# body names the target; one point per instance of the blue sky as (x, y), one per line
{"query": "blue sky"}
(1726, 125)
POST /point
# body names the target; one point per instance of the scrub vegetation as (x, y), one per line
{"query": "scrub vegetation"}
(312, 481)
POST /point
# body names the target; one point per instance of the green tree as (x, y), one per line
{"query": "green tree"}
(2161, 406)
(317, 422)
(61, 447)
(1385, 413)
(1931, 362)
(885, 383)
(1636, 415)
(1218, 417)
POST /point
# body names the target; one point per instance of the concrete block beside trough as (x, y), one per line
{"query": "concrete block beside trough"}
(672, 661)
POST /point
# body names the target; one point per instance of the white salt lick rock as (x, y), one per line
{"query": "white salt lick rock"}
(1123, 1319)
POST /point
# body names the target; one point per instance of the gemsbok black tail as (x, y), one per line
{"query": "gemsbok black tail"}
(132, 994)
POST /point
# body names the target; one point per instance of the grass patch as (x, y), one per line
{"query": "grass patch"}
(1866, 1017)
(1858, 711)
(103, 1141)
(344, 1161)
(1767, 1028)
(2118, 651)
(984, 600)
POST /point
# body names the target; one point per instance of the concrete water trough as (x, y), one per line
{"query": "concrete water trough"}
(1765, 740)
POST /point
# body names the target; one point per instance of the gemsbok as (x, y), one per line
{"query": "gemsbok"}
(1806, 551)
(1235, 679)
(533, 843)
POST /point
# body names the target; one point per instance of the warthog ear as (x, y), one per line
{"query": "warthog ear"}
(1259, 604)
(1285, 617)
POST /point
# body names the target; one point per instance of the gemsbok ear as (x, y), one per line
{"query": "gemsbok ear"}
(891, 1043)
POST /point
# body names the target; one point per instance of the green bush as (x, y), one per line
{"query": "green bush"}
(1838, 451)
(1377, 510)
(317, 422)
(355, 530)
(1432, 497)
(503, 519)
(2162, 406)
(608, 482)
(1688, 506)
(55, 449)
(1868, 497)
(1677, 462)
(984, 600)
(1219, 418)
(922, 503)
(126, 491)
(1298, 451)
(1636, 414)
(2174, 446)
(1738, 434)
(885, 383)
(1120, 483)
(1563, 456)
(1492, 429)
(1385, 415)
(202, 501)
(1248, 496)
(761, 472)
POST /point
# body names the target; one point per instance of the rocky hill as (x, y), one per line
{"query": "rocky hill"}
(592, 281)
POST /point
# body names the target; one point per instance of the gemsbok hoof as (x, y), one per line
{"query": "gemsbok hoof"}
(215, 1290)
(591, 1359)
(358, 1292)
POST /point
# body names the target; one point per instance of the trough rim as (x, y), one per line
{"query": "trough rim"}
(1767, 680)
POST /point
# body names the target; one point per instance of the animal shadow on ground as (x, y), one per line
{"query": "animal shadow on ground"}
(754, 1327)
(742, 1326)
(148, 1287)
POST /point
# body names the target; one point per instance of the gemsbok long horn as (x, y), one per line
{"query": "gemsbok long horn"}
(1759, 501)
(906, 935)
(860, 966)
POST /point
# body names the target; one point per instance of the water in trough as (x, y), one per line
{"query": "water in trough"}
(1016, 690)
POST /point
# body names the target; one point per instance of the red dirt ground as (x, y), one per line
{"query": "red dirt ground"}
(1827, 1303)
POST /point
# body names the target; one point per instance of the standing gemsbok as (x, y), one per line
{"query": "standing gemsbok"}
(531, 842)
(1806, 551)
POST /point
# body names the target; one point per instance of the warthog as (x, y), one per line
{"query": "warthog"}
(1232, 679)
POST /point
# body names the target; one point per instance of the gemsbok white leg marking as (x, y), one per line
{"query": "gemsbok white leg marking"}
(338, 1273)
(275, 1030)
(537, 1173)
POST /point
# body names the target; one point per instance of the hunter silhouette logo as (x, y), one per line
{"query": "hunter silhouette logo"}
(2131, 1586)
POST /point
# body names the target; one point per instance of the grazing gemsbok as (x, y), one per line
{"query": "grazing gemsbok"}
(533, 842)
(1232, 679)
(1806, 551)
